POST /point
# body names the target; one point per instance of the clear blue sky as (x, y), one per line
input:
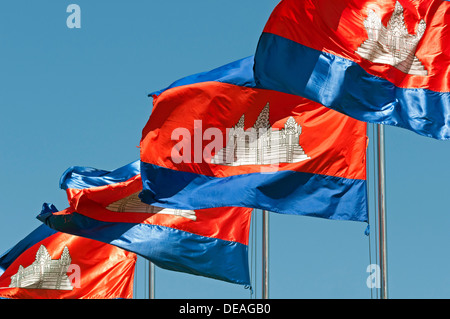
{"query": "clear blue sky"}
(79, 97)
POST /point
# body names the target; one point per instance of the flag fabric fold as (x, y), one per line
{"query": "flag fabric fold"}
(380, 63)
(105, 206)
(214, 140)
(48, 264)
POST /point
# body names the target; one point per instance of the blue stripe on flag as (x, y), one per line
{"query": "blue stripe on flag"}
(37, 235)
(287, 192)
(80, 177)
(239, 72)
(167, 247)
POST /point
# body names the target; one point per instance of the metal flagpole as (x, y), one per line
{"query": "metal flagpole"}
(265, 253)
(151, 280)
(382, 213)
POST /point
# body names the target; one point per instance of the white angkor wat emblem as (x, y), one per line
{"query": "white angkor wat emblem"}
(133, 203)
(261, 144)
(44, 272)
(393, 44)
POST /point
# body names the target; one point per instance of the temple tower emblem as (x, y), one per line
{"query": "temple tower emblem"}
(392, 44)
(44, 272)
(261, 144)
(133, 204)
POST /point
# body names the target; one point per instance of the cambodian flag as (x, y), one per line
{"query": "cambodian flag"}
(381, 62)
(104, 205)
(48, 264)
(215, 139)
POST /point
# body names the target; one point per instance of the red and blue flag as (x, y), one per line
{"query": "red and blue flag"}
(382, 62)
(215, 139)
(48, 264)
(104, 206)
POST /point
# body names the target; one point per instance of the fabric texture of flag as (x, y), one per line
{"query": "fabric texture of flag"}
(216, 139)
(48, 264)
(104, 205)
(381, 62)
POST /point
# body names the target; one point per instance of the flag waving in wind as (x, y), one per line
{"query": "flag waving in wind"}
(215, 139)
(382, 62)
(51, 265)
(104, 205)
